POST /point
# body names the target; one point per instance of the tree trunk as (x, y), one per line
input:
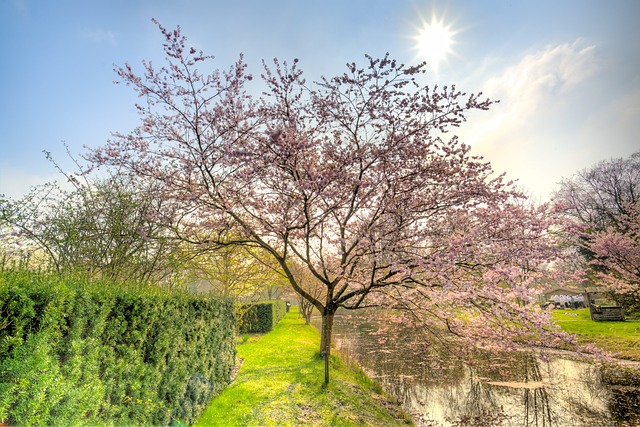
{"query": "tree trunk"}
(307, 315)
(325, 341)
(306, 308)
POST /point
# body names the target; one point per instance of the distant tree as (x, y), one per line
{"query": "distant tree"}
(100, 228)
(236, 272)
(16, 251)
(312, 286)
(274, 290)
(350, 177)
(603, 203)
(617, 251)
(598, 196)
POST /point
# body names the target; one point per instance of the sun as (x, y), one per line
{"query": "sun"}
(434, 42)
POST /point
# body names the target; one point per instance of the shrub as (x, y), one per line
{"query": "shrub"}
(262, 316)
(74, 352)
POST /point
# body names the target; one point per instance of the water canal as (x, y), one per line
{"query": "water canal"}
(492, 389)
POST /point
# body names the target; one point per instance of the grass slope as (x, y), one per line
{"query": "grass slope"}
(281, 384)
(615, 337)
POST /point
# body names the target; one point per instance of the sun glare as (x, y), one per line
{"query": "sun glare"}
(434, 41)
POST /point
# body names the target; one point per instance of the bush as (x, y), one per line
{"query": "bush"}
(261, 317)
(79, 353)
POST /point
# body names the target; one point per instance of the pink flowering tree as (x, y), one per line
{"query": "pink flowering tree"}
(617, 256)
(353, 178)
(600, 209)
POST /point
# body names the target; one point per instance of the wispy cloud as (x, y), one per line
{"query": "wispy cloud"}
(98, 35)
(518, 135)
(538, 82)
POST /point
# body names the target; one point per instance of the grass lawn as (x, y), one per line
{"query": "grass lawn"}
(615, 337)
(281, 384)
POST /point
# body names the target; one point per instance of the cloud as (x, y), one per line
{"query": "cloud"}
(532, 131)
(16, 183)
(98, 36)
(539, 81)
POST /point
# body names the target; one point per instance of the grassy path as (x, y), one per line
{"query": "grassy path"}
(280, 384)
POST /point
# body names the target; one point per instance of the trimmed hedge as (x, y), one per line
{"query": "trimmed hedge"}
(261, 317)
(79, 353)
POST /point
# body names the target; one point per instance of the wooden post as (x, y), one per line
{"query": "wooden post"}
(588, 297)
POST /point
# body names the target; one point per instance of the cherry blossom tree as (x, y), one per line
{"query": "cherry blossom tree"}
(354, 177)
(617, 252)
(601, 203)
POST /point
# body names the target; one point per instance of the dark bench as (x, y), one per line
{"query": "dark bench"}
(606, 313)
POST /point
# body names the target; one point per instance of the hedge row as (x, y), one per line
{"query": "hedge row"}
(262, 316)
(79, 353)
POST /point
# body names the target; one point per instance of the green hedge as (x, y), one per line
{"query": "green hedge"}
(79, 353)
(262, 316)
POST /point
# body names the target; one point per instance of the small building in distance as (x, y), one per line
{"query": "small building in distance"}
(563, 297)
(594, 298)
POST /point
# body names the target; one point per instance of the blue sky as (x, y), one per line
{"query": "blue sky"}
(567, 73)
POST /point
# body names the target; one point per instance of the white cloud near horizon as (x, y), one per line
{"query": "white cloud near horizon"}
(520, 134)
(15, 182)
(538, 81)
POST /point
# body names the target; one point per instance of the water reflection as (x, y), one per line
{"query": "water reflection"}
(488, 389)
